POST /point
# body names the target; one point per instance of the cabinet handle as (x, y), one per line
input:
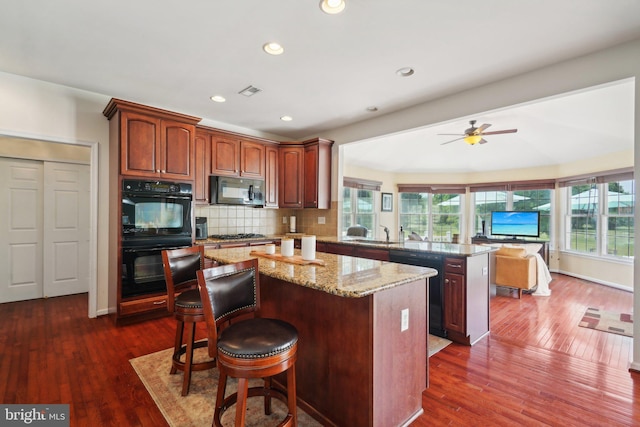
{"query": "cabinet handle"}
(446, 281)
(158, 170)
(159, 302)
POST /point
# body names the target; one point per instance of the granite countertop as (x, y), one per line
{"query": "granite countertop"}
(410, 245)
(414, 245)
(344, 276)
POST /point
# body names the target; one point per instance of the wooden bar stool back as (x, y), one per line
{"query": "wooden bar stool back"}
(183, 300)
(245, 345)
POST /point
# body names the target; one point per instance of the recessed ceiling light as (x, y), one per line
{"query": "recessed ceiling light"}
(218, 98)
(273, 48)
(405, 72)
(372, 109)
(332, 6)
(286, 118)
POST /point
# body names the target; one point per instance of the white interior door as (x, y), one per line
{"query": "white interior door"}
(20, 230)
(66, 229)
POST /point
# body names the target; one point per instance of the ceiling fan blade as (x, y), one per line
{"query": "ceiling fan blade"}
(498, 132)
(482, 128)
(483, 141)
(453, 140)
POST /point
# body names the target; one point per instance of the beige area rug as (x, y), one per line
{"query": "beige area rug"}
(196, 409)
(436, 344)
(608, 321)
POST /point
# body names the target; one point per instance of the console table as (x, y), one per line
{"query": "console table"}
(544, 249)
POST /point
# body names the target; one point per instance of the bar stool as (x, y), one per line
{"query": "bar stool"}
(252, 347)
(180, 266)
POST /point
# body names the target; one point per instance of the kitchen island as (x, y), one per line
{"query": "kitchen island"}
(362, 325)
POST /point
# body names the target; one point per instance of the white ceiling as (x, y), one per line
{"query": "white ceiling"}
(175, 55)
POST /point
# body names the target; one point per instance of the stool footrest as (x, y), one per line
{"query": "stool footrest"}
(200, 366)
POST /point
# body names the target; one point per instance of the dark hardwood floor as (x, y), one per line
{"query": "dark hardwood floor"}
(536, 368)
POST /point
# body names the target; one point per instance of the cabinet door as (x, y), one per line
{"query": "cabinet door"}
(271, 177)
(225, 158)
(290, 177)
(202, 167)
(317, 174)
(454, 303)
(311, 176)
(139, 145)
(177, 154)
(252, 159)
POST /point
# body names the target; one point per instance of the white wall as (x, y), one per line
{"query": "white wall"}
(39, 110)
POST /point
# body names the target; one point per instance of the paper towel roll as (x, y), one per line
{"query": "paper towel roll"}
(292, 224)
(308, 248)
(286, 247)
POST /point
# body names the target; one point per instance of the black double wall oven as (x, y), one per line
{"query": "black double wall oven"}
(156, 215)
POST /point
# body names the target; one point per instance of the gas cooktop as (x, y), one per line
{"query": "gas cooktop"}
(236, 236)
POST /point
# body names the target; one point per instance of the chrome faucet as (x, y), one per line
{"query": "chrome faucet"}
(386, 230)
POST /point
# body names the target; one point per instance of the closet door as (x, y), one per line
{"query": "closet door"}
(21, 213)
(66, 229)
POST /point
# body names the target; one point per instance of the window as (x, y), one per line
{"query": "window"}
(358, 203)
(600, 217)
(434, 216)
(522, 196)
(599, 214)
(620, 207)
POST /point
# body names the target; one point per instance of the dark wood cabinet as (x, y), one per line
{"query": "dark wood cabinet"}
(202, 168)
(225, 155)
(454, 295)
(271, 176)
(252, 160)
(305, 174)
(156, 147)
(372, 253)
(290, 176)
(466, 298)
(317, 174)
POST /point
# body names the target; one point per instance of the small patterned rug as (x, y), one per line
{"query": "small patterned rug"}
(196, 408)
(608, 321)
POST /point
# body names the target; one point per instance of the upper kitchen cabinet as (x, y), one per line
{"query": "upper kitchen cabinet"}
(202, 165)
(252, 160)
(305, 174)
(290, 176)
(233, 156)
(153, 143)
(271, 176)
(317, 173)
(225, 158)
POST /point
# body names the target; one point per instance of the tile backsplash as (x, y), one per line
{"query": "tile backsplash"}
(222, 219)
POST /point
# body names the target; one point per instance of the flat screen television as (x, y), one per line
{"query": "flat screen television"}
(515, 223)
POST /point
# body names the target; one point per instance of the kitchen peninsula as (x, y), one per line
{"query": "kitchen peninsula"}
(362, 324)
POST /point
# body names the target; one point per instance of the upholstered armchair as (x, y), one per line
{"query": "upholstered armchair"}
(515, 269)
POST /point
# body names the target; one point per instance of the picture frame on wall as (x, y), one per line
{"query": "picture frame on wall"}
(387, 202)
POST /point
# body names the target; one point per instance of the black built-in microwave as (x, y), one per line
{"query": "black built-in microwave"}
(236, 191)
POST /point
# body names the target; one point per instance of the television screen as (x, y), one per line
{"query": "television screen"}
(515, 223)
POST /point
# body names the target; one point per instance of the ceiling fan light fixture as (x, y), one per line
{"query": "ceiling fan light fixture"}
(332, 7)
(472, 139)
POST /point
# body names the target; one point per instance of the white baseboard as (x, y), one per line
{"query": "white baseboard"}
(592, 279)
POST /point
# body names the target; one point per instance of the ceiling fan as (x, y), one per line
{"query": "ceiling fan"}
(474, 135)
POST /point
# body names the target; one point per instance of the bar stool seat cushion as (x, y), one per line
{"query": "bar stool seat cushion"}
(189, 299)
(257, 338)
